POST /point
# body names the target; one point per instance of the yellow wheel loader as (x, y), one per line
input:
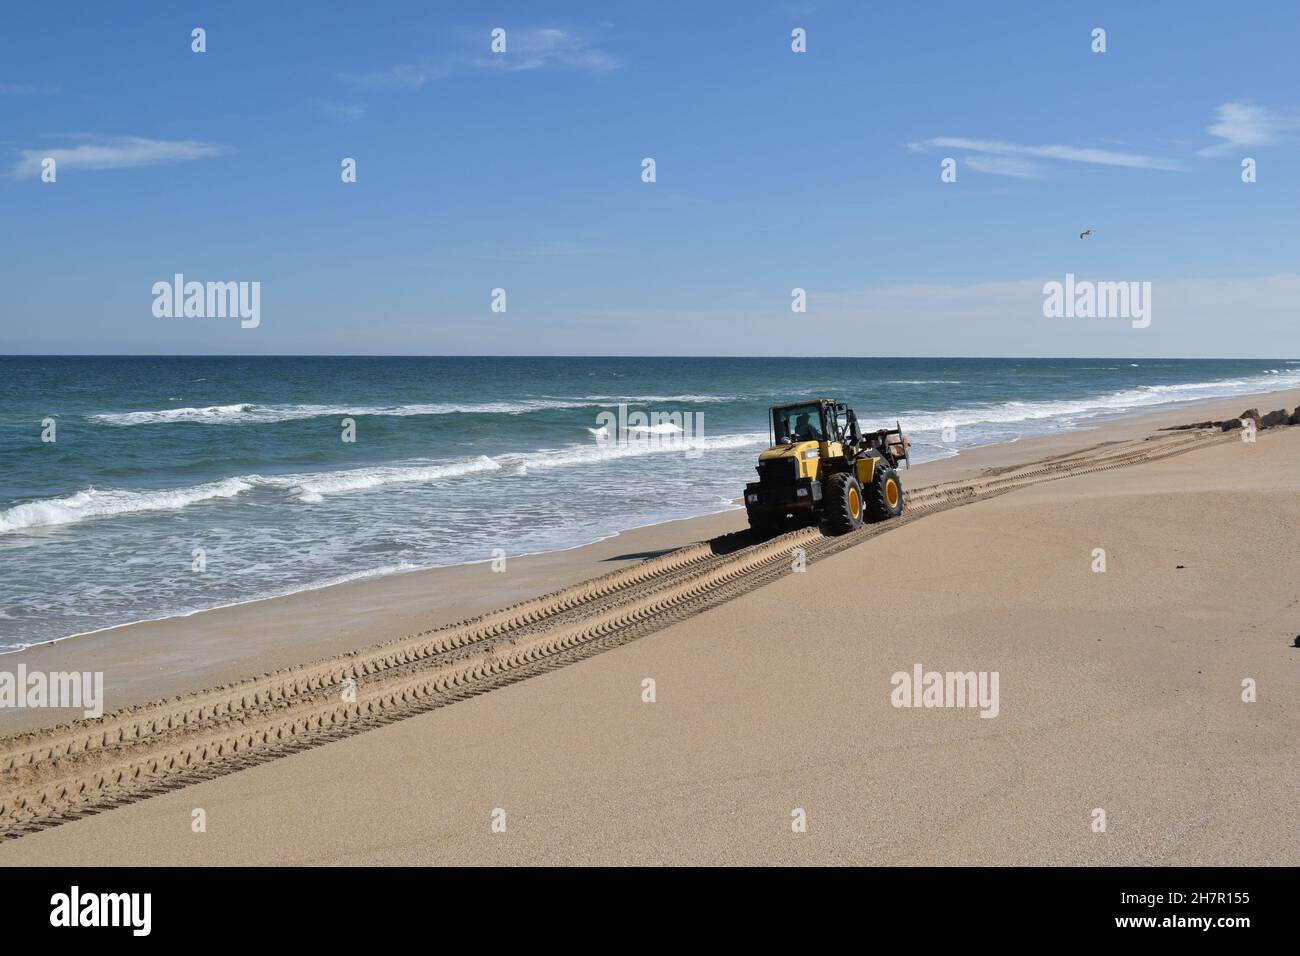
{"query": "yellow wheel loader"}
(821, 467)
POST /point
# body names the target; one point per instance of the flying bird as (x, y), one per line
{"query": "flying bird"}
(1085, 233)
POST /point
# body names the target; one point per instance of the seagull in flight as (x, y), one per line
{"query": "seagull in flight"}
(1085, 234)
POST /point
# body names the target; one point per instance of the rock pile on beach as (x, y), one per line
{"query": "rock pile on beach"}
(1274, 418)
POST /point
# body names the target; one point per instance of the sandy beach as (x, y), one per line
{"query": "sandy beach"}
(1119, 691)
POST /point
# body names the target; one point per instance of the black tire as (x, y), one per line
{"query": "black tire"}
(762, 523)
(885, 498)
(843, 503)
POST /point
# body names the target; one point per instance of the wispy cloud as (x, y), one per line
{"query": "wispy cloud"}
(1006, 166)
(407, 75)
(1241, 125)
(1068, 154)
(346, 111)
(526, 50)
(118, 152)
(535, 49)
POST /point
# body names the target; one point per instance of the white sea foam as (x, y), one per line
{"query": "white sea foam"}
(665, 399)
(218, 414)
(1067, 410)
(250, 413)
(254, 414)
(313, 488)
(601, 452)
(662, 428)
(94, 503)
(308, 488)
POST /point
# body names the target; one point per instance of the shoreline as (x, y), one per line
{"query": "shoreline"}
(378, 573)
(154, 659)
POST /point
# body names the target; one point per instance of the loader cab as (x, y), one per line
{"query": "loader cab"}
(820, 421)
(798, 423)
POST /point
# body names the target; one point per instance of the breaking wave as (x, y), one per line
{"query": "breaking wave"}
(250, 413)
(94, 503)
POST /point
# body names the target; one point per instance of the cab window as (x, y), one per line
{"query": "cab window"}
(800, 423)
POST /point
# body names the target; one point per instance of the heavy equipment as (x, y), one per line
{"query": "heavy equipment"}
(821, 467)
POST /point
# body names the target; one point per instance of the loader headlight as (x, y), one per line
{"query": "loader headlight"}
(811, 453)
(752, 499)
(801, 492)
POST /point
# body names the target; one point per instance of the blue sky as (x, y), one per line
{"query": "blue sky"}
(775, 170)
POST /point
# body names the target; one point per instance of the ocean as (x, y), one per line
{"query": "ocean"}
(178, 484)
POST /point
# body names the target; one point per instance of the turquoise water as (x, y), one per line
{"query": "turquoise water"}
(453, 458)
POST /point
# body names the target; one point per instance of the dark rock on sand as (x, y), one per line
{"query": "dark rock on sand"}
(1232, 424)
(1252, 413)
(1279, 417)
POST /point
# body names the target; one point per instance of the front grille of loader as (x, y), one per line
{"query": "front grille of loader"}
(778, 473)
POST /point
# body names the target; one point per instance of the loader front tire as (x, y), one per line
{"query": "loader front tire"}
(843, 497)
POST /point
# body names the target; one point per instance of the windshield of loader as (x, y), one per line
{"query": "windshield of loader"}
(798, 423)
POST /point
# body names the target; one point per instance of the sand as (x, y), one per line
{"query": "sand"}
(1118, 691)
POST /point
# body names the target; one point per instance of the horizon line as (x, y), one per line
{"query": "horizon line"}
(324, 355)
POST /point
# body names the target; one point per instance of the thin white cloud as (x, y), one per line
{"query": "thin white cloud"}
(536, 49)
(346, 111)
(526, 50)
(119, 152)
(406, 75)
(1069, 154)
(1242, 126)
(1006, 166)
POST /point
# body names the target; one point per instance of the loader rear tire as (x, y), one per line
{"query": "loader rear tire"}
(885, 498)
(843, 503)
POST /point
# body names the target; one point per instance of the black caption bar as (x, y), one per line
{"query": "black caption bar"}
(138, 906)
